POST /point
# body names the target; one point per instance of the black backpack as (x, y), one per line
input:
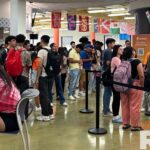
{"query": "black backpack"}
(3, 55)
(52, 67)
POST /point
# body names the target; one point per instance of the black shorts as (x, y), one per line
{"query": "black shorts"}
(10, 122)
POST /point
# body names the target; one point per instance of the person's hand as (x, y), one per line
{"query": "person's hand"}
(36, 84)
(81, 62)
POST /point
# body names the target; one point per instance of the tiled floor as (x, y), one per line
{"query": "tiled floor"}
(69, 131)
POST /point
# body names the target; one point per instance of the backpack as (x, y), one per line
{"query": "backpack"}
(122, 75)
(3, 55)
(107, 77)
(55, 62)
(14, 63)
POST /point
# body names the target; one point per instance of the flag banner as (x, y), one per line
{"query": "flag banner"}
(115, 28)
(84, 24)
(104, 26)
(56, 19)
(71, 22)
(96, 25)
(131, 28)
(123, 28)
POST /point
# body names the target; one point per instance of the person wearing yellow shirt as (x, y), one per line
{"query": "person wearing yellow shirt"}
(74, 70)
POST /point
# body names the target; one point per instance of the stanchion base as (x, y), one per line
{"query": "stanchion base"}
(86, 111)
(97, 131)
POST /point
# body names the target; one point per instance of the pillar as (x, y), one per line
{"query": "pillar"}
(92, 36)
(18, 17)
(142, 25)
(56, 36)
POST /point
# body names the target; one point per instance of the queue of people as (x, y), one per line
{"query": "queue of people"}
(23, 66)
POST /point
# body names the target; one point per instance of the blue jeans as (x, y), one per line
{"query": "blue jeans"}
(92, 81)
(59, 88)
(74, 74)
(106, 99)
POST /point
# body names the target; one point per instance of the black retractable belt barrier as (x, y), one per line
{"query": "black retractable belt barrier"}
(97, 130)
(86, 110)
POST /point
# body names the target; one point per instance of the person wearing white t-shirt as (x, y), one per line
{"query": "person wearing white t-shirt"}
(43, 81)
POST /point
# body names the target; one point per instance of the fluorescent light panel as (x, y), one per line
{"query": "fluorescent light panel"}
(120, 14)
(129, 18)
(106, 10)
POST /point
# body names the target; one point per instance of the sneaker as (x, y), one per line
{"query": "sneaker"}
(51, 104)
(64, 104)
(38, 108)
(76, 96)
(43, 118)
(52, 117)
(117, 119)
(89, 92)
(142, 109)
(71, 98)
(108, 114)
(82, 93)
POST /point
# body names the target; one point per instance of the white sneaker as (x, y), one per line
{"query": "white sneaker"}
(71, 98)
(52, 117)
(76, 96)
(89, 92)
(51, 104)
(43, 118)
(82, 93)
(64, 104)
(76, 92)
(38, 108)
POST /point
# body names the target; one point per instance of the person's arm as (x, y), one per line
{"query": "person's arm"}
(39, 71)
(141, 74)
(71, 60)
(87, 60)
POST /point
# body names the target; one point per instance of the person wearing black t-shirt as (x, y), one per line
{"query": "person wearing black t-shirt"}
(131, 101)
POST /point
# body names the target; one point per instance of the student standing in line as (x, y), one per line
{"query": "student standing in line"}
(131, 101)
(115, 62)
(107, 55)
(42, 81)
(74, 70)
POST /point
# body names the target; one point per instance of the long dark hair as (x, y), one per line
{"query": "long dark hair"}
(5, 77)
(127, 53)
(115, 50)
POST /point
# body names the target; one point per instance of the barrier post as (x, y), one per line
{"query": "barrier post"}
(97, 130)
(86, 109)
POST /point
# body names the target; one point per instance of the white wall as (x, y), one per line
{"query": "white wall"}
(4, 8)
(75, 34)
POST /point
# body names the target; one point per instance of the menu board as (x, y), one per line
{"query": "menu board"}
(142, 45)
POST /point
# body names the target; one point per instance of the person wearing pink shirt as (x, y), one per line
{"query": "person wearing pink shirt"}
(9, 97)
(115, 62)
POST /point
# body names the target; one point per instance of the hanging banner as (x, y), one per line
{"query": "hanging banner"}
(71, 22)
(56, 19)
(104, 26)
(115, 28)
(96, 25)
(84, 24)
(123, 27)
(131, 28)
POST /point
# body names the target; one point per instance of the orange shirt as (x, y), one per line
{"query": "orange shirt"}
(35, 64)
(146, 58)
